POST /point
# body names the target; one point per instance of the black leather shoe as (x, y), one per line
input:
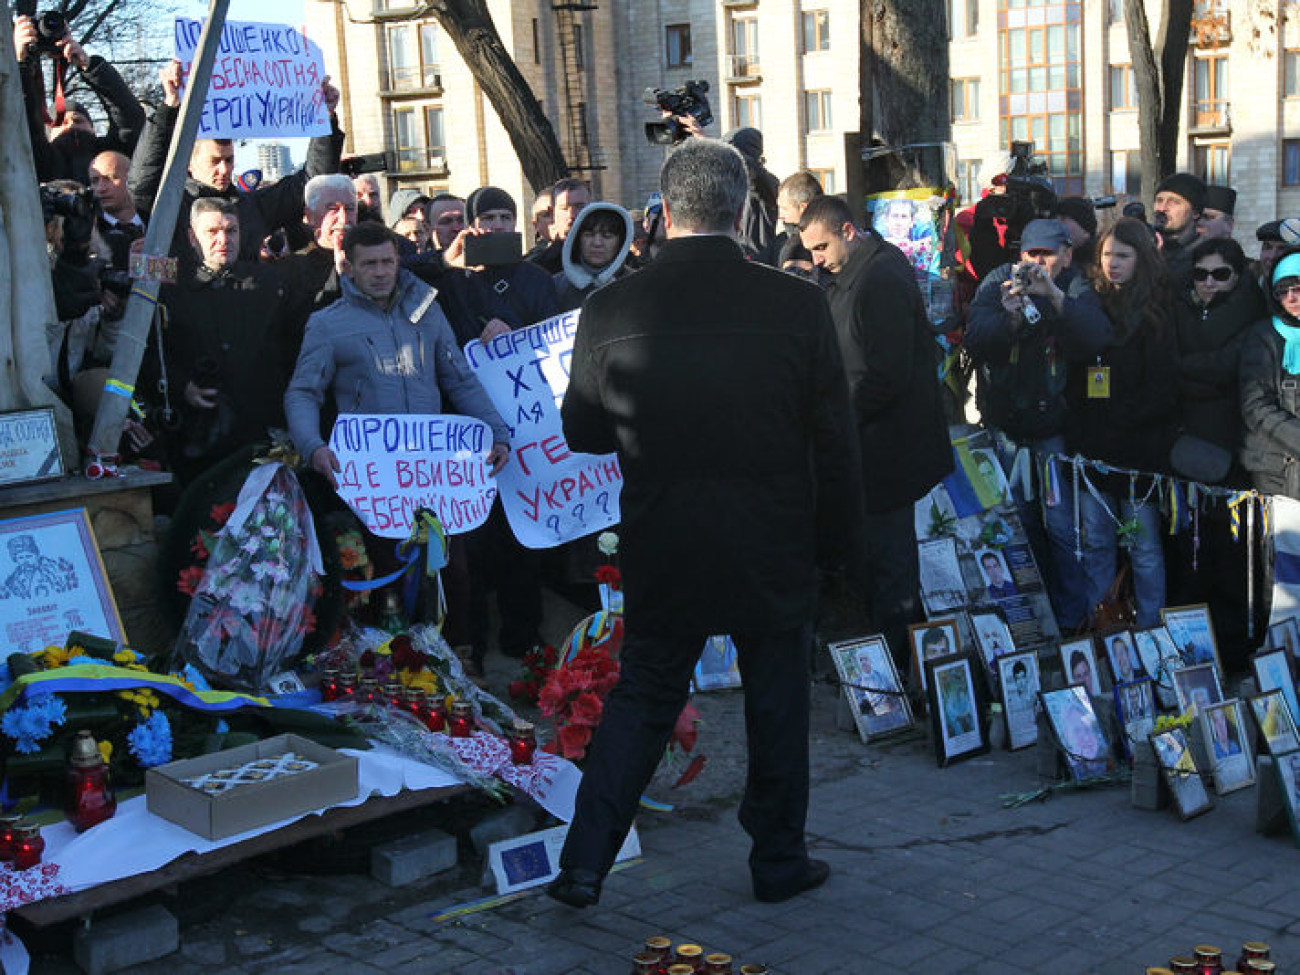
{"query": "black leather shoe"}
(814, 874)
(576, 887)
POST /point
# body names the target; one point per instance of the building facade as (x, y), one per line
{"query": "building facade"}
(274, 161)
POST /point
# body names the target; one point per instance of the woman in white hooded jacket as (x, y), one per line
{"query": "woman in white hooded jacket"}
(595, 253)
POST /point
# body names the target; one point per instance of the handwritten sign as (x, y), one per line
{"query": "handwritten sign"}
(265, 81)
(393, 465)
(29, 447)
(551, 495)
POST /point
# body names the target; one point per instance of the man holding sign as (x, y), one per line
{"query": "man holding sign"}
(719, 383)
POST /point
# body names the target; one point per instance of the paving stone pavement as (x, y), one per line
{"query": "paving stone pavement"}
(930, 874)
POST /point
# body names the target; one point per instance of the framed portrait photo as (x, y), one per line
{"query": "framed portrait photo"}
(1273, 673)
(1079, 661)
(937, 638)
(954, 708)
(1019, 681)
(1191, 797)
(1276, 723)
(1122, 655)
(1160, 658)
(1078, 732)
(1227, 746)
(1285, 635)
(992, 639)
(1288, 775)
(871, 686)
(1192, 631)
(1197, 687)
(1135, 705)
(996, 574)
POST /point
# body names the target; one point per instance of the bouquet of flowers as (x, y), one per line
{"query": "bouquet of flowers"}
(574, 695)
(252, 608)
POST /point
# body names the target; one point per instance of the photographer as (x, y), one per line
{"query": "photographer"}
(1027, 324)
(224, 345)
(758, 221)
(211, 171)
(64, 149)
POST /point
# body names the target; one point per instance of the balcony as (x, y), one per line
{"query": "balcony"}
(395, 9)
(1211, 25)
(733, 4)
(422, 162)
(424, 80)
(1211, 117)
(743, 69)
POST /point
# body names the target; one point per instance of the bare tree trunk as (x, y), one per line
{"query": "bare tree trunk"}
(1158, 75)
(27, 317)
(905, 71)
(469, 25)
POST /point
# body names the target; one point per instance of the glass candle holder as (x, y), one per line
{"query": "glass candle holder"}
(659, 946)
(1209, 959)
(1250, 951)
(329, 684)
(416, 702)
(753, 970)
(644, 963)
(523, 743)
(88, 797)
(7, 823)
(689, 954)
(717, 963)
(435, 714)
(461, 723)
(29, 844)
(1183, 965)
(347, 686)
(393, 695)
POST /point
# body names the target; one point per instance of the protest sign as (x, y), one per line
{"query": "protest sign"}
(266, 81)
(390, 466)
(550, 494)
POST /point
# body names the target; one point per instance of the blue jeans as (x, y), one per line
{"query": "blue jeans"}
(1101, 551)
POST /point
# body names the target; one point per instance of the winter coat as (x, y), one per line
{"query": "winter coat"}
(892, 362)
(577, 281)
(1209, 361)
(260, 212)
(402, 359)
(718, 383)
(1023, 367)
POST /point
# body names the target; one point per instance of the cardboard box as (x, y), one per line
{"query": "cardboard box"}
(246, 807)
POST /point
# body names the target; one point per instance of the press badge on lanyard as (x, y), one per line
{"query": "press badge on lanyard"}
(1099, 382)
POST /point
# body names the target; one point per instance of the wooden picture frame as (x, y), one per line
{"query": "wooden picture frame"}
(955, 708)
(1121, 653)
(29, 446)
(1074, 653)
(1135, 707)
(1019, 682)
(1227, 746)
(1192, 630)
(864, 664)
(1174, 755)
(1273, 673)
(1285, 635)
(925, 642)
(1275, 721)
(1197, 686)
(992, 639)
(1078, 732)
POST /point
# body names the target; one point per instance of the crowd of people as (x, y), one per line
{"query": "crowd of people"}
(1159, 347)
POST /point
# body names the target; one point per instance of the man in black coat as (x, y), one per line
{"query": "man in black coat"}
(212, 173)
(718, 383)
(892, 362)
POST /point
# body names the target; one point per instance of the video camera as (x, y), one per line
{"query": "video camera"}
(59, 202)
(51, 27)
(370, 162)
(690, 100)
(1029, 195)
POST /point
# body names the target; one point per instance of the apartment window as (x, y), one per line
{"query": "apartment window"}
(433, 133)
(817, 110)
(405, 144)
(581, 119)
(579, 58)
(418, 138)
(1291, 74)
(963, 18)
(827, 179)
(1114, 11)
(1126, 172)
(413, 57)
(744, 47)
(677, 39)
(1210, 90)
(972, 16)
(816, 30)
(1123, 87)
(965, 99)
(537, 42)
(748, 110)
(1211, 162)
(1291, 162)
(968, 180)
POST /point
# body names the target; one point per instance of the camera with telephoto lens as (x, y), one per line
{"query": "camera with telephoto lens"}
(690, 100)
(1029, 194)
(51, 27)
(59, 202)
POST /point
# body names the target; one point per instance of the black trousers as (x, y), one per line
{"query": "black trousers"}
(893, 580)
(654, 684)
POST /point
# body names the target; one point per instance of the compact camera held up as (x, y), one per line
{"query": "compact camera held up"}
(1023, 275)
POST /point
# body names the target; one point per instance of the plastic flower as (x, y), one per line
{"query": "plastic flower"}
(143, 698)
(574, 739)
(59, 656)
(607, 542)
(188, 580)
(31, 724)
(586, 709)
(151, 741)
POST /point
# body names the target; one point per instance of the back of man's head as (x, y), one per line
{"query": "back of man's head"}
(831, 212)
(704, 185)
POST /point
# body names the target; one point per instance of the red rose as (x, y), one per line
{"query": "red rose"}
(405, 656)
(188, 580)
(551, 699)
(574, 739)
(587, 709)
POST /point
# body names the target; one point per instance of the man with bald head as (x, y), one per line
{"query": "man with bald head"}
(117, 220)
(212, 173)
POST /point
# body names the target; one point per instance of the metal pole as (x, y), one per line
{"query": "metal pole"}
(120, 385)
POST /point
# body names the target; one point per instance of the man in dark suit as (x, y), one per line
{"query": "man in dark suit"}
(719, 384)
(892, 362)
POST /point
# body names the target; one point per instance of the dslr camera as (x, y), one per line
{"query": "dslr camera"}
(51, 27)
(1022, 276)
(58, 202)
(690, 100)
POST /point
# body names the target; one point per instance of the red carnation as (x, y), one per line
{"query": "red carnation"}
(608, 575)
(221, 513)
(586, 709)
(189, 579)
(551, 699)
(574, 739)
(199, 550)
(686, 732)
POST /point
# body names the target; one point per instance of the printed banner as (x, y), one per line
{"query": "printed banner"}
(550, 494)
(1286, 559)
(390, 466)
(265, 81)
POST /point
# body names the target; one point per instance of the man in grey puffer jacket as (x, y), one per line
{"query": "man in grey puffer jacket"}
(383, 347)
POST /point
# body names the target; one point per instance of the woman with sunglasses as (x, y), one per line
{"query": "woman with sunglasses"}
(1270, 386)
(1122, 409)
(1213, 318)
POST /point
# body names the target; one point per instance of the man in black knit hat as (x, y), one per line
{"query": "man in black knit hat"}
(1216, 214)
(1179, 201)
